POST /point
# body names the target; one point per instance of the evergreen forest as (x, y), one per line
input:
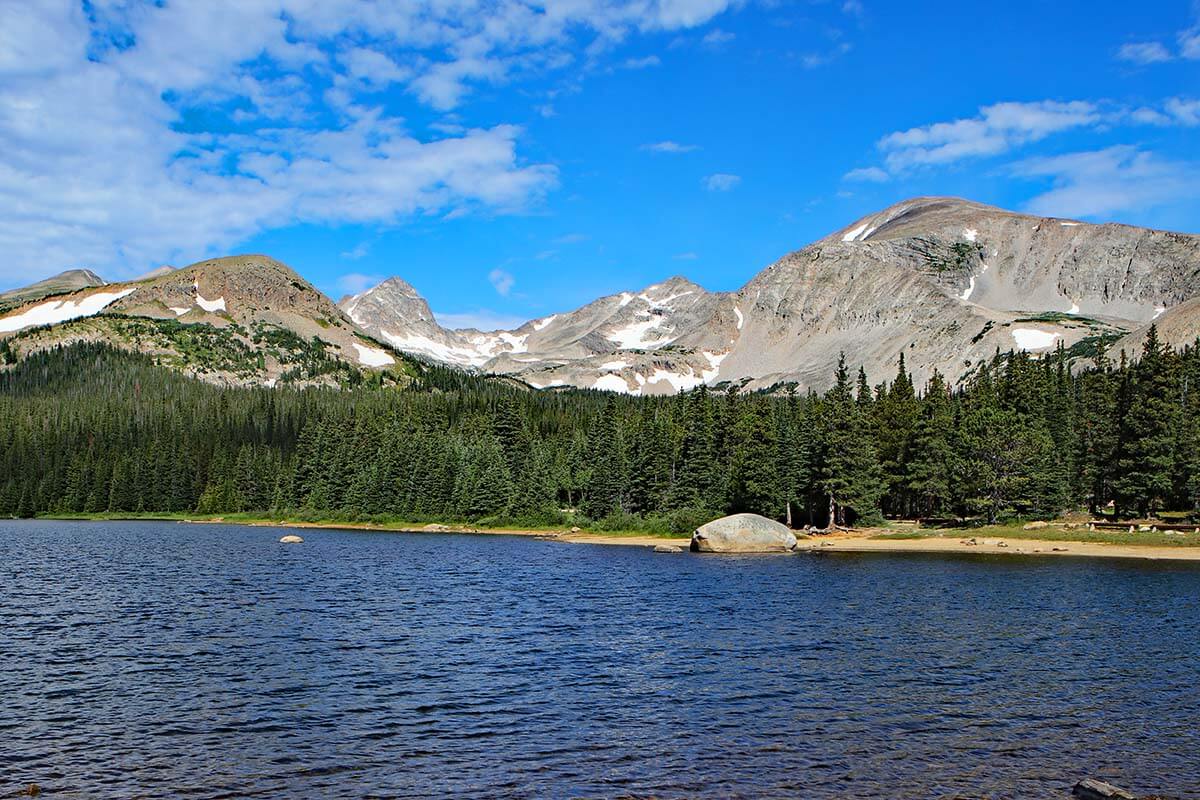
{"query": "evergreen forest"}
(90, 429)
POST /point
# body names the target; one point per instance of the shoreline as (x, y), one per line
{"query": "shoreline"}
(869, 540)
(997, 545)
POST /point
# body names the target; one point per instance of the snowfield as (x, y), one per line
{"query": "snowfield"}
(373, 356)
(56, 311)
(1031, 339)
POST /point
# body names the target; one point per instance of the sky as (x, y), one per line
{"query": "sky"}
(513, 158)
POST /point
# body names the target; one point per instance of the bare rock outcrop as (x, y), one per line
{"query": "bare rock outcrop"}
(743, 533)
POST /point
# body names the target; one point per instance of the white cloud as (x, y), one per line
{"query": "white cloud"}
(1103, 182)
(100, 169)
(867, 175)
(355, 282)
(572, 238)
(814, 60)
(998, 129)
(641, 63)
(481, 319)
(502, 281)
(1184, 111)
(717, 37)
(685, 256)
(1144, 53)
(1189, 43)
(670, 147)
(721, 182)
(360, 250)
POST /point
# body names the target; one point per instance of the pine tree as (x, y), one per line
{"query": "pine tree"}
(930, 468)
(1146, 450)
(853, 479)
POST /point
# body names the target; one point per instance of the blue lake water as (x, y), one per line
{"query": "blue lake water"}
(157, 659)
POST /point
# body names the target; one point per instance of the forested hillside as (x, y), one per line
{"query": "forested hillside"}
(89, 429)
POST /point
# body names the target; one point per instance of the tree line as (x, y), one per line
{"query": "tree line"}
(92, 429)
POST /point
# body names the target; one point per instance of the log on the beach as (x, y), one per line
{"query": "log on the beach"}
(1092, 789)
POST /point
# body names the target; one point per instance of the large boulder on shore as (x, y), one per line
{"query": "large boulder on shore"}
(743, 533)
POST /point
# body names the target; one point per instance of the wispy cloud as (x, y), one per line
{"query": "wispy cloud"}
(813, 60)
(717, 37)
(641, 63)
(670, 147)
(1189, 43)
(572, 238)
(501, 281)
(360, 250)
(1144, 52)
(867, 175)
(1102, 182)
(721, 182)
(685, 256)
(997, 129)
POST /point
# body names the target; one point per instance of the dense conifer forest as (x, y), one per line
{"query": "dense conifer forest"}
(91, 429)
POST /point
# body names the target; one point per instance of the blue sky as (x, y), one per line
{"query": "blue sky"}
(511, 158)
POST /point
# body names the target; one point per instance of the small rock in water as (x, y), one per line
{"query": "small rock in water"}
(291, 538)
(1092, 789)
(667, 548)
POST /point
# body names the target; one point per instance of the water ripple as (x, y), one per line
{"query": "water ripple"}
(141, 659)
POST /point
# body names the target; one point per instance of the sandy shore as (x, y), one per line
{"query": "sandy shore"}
(854, 542)
(851, 543)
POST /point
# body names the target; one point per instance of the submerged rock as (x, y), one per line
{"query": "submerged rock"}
(291, 538)
(1092, 789)
(743, 533)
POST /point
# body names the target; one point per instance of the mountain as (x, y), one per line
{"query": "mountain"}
(660, 339)
(63, 282)
(236, 320)
(945, 281)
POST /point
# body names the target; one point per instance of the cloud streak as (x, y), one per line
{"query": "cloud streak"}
(721, 182)
(1103, 182)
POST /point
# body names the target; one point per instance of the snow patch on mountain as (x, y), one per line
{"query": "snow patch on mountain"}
(634, 335)
(1032, 339)
(56, 311)
(373, 356)
(853, 235)
(611, 383)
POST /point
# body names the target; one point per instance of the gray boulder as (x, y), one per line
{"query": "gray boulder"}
(743, 533)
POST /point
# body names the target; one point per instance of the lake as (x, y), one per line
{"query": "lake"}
(210, 661)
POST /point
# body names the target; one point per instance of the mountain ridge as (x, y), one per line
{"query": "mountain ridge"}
(945, 281)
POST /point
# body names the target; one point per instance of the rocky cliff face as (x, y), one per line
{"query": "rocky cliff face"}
(946, 281)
